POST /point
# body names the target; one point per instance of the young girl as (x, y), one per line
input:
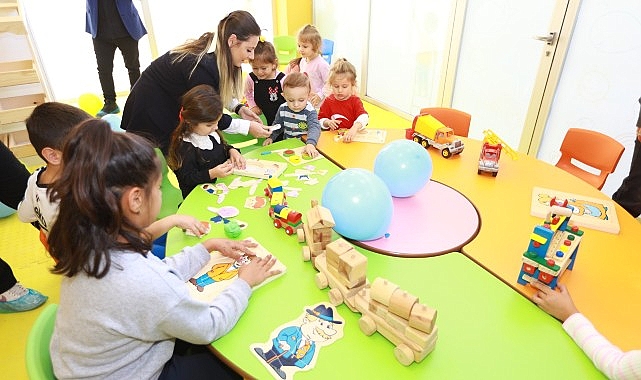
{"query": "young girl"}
(121, 309)
(263, 87)
(198, 153)
(311, 62)
(343, 108)
(608, 358)
(297, 117)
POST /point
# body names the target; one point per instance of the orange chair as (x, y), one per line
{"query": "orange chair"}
(459, 121)
(593, 149)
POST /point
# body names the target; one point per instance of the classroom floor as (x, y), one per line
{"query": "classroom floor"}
(21, 248)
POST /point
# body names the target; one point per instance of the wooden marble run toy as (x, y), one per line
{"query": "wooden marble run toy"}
(553, 247)
(491, 151)
(399, 317)
(317, 232)
(284, 217)
(428, 131)
(344, 269)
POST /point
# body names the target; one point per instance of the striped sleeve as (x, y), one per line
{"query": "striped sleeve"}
(608, 358)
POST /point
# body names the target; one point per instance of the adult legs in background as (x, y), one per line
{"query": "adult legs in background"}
(129, 50)
(105, 50)
(629, 194)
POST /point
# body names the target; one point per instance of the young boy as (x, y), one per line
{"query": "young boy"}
(48, 127)
(296, 117)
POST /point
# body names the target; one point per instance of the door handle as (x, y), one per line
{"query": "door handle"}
(549, 39)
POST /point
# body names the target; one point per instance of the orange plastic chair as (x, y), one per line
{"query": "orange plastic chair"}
(459, 121)
(593, 149)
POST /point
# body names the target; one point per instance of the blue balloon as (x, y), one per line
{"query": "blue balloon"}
(404, 166)
(360, 203)
(114, 121)
(5, 210)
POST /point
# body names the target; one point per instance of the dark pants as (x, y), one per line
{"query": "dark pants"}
(629, 194)
(105, 50)
(195, 362)
(12, 189)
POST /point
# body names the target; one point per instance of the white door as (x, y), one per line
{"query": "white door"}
(508, 51)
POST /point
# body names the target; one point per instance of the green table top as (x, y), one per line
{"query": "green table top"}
(486, 329)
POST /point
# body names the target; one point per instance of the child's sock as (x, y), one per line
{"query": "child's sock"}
(19, 298)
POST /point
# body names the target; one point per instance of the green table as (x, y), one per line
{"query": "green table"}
(486, 329)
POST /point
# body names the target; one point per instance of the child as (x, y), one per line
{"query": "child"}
(263, 87)
(311, 62)
(198, 153)
(47, 126)
(343, 108)
(297, 117)
(122, 311)
(609, 359)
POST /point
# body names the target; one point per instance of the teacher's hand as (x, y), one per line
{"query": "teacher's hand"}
(247, 114)
(259, 129)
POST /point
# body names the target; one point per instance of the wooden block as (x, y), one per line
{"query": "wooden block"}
(382, 290)
(353, 266)
(419, 337)
(362, 301)
(401, 303)
(396, 322)
(337, 248)
(377, 308)
(422, 317)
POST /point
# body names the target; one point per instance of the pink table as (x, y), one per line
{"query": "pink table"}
(435, 221)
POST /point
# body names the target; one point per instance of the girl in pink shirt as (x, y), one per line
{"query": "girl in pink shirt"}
(608, 358)
(311, 62)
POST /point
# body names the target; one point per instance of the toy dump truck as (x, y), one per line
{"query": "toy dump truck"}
(428, 131)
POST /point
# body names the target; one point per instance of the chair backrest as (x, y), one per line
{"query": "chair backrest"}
(37, 358)
(593, 149)
(459, 121)
(327, 50)
(171, 196)
(286, 48)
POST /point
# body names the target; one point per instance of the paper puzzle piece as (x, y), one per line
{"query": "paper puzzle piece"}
(261, 169)
(296, 156)
(216, 275)
(376, 136)
(299, 342)
(207, 229)
(225, 212)
(255, 202)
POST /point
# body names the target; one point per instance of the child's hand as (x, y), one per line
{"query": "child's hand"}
(315, 99)
(188, 223)
(230, 248)
(333, 124)
(237, 159)
(258, 129)
(311, 150)
(557, 304)
(222, 170)
(258, 270)
(257, 110)
(349, 135)
(248, 114)
(267, 141)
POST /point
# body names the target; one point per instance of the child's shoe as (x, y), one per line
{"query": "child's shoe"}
(109, 107)
(19, 298)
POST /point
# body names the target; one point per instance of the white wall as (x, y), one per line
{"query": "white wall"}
(66, 51)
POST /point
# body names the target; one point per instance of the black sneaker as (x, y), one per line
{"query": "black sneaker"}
(109, 107)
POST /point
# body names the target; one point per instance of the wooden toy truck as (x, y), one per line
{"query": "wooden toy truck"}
(344, 269)
(317, 232)
(399, 317)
